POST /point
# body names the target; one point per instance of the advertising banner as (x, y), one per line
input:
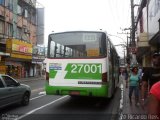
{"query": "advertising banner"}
(19, 49)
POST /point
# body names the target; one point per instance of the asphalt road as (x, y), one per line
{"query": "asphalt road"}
(45, 107)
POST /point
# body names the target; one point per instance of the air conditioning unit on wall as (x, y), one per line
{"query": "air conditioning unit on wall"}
(19, 10)
(26, 30)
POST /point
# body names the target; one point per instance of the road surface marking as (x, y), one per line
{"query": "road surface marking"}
(121, 102)
(34, 110)
(42, 93)
(37, 97)
(36, 90)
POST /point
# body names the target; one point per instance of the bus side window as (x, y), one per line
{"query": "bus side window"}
(52, 49)
(55, 50)
(64, 51)
(103, 47)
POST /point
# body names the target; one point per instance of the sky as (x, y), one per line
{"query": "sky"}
(111, 16)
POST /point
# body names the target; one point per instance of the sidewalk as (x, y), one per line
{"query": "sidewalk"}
(31, 79)
(129, 110)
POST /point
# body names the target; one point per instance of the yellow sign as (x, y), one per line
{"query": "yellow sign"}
(2, 69)
(19, 49)
(21, 56)
(93, 52)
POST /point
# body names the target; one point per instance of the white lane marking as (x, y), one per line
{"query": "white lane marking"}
(34, 110)
(121, 101)
(37, 97)
(36, 90)
(41, 95)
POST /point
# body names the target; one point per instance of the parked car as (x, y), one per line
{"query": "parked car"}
(11, 91)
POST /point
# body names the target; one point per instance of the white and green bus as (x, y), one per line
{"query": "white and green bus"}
(81, 63)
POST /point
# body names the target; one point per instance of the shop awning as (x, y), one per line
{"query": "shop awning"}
(14, 63)
(4, 54)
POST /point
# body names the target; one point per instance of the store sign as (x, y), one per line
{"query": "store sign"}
(2, 69)
(19, 49)
(132, 49)
(37, 50)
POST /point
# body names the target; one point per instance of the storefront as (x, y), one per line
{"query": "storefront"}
(19, 63)
(38, 57)
(3, 67)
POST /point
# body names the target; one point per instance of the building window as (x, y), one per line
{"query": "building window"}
(25, 35)
(1, 27)
(33, 17)
(1, 2)
(9, 29)
(19, 33)
(19, 10)
(9, 4)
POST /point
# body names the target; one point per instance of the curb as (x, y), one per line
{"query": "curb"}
(30, 79)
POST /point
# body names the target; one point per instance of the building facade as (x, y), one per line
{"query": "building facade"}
(18, 37)
(148, 31)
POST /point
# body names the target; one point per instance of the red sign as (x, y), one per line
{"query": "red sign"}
(132, 49)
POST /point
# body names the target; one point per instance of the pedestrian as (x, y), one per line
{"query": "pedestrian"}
(134, 85)
(126, 77)
(150, 76)
(154, 101)
(140, 72)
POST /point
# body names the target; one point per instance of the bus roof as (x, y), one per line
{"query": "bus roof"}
(78, 32)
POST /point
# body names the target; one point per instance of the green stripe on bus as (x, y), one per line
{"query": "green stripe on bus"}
(83, 71)
(52, 73)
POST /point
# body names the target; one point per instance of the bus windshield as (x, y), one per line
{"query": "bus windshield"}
(77, 44)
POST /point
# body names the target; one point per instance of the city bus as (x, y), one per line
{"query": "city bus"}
(81, 63)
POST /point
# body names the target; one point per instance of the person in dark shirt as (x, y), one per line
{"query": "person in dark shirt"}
(151, 76)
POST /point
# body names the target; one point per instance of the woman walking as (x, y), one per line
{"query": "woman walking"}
(134, 85)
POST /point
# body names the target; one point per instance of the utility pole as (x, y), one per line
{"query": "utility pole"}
(127, 47)
(127, 44)
(124, 57)
(133, 25)
(133, 43)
